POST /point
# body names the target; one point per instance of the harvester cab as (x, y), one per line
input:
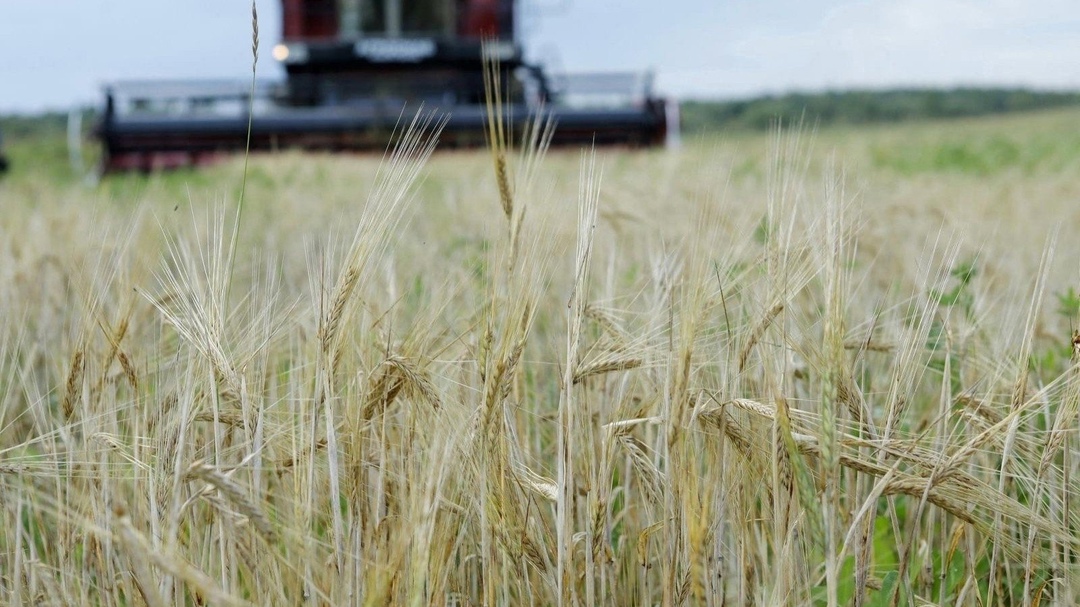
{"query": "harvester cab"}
(389, 53)
(355, 69)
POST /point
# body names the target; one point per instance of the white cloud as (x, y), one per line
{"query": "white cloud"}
(903, 42)
(700, 47)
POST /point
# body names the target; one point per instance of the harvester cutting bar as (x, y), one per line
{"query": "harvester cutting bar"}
(163, 127)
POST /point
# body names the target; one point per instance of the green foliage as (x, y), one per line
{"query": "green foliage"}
(1056, 357)
(1068, 303)
(958, 297)
(37, 145)
(763, 231)
(979, 157)
(884, 568)
(32, 126)
(865, 107)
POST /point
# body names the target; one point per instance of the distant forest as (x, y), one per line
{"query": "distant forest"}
(22, 126)
(865, 107)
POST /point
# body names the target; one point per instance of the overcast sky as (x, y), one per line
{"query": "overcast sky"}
(56, 53)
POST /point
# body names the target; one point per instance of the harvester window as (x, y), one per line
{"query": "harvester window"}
(397, 18)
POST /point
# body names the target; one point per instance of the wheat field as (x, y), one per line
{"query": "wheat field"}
(831, 368)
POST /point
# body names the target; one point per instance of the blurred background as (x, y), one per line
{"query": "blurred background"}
(728, 65)
(59, 52)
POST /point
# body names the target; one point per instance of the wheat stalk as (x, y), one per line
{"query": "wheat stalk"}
(236, 496)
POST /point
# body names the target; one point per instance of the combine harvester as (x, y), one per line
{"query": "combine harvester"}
(356, 69)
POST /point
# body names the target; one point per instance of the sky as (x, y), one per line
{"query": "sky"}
(55, 54)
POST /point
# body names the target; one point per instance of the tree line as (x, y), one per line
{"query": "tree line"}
(865, 107)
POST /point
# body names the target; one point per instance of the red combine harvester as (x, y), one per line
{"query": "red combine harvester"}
(356, 69)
